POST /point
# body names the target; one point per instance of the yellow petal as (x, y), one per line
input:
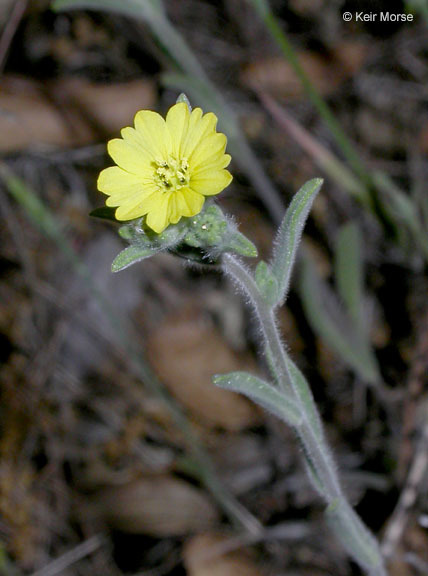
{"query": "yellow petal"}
(114, 180)
(134, 207)
(152, 129)
(177, 121)
(157, 218)
(135, 138)
(128, 157)
(199, 127)
(210, 182)
(184, 202)
(217, 164)
(210, 149)
(131, 197)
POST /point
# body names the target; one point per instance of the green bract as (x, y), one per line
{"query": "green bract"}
(202, 238)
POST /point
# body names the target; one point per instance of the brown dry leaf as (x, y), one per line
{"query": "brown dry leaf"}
(350, 56)
(27, 118)
(160, 506)
(276, 76)
(202, 557)
(186, 352)
(70, 112)
(102, 109)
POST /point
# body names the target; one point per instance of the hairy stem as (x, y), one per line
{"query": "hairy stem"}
(275, 350)
(356, 538)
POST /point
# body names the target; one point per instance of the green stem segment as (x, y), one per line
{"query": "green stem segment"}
(344, 521)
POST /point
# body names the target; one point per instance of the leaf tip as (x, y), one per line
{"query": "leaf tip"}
(217, 379)
(317, 182)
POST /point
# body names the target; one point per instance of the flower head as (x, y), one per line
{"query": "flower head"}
(166, 168)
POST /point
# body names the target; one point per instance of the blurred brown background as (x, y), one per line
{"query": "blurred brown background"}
(95, 471)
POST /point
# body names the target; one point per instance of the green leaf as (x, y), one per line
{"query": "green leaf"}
(353, 535)
(138, 235)
(127, 232)
(290, 233)
(311, 470)
(131, 8)
(130, 256)
(334, 326)
(266, 282)
(240, 244)
(349, 270)
(306, 399)
(105, 212)
(261, 393)
(142, 9)
(31, 203)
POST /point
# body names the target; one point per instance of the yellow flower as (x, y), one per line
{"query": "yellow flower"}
(165, 168)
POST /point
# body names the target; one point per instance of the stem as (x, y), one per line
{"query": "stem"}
(275, 349)
(347, 524)
(323, 463)
(320, 457)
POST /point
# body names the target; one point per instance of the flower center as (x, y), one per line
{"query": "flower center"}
(171, 174)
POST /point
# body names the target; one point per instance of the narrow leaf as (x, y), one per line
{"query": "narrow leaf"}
(240, 244)
(105, 212)
(130, 256)
(132, 8)
(334, 326)
(266, 282)
(303, 392)
(349, 270)
(311, 470)
(290, 233)
(127, 232)
(353, 535)
(262, 393)
(31, 203)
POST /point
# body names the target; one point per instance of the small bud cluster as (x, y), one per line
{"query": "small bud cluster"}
(202, 238)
